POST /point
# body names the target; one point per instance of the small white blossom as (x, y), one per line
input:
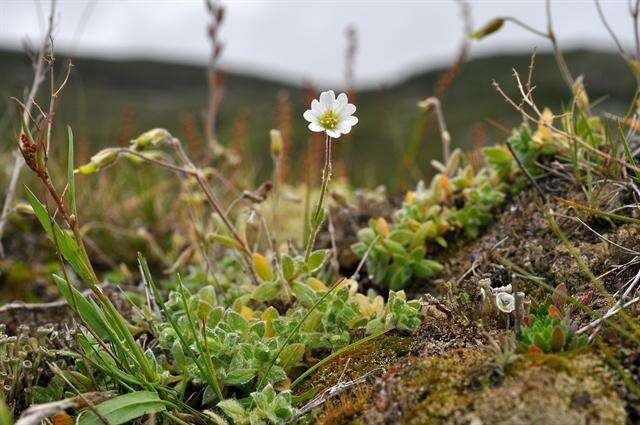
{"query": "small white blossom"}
(331, 115)
(505, 302)
(506, 288)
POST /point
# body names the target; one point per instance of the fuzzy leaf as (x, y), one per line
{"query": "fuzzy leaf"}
(239, 376)
(262, 267)
(233, 409)
(316, 259)
(288, 267)
(394, 247)
(267, 291)
(303, 292)
(401, 236)
(291, 355)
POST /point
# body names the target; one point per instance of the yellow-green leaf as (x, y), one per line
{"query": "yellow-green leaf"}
(262, 267)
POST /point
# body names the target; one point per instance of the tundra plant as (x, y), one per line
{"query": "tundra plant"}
(227, 344)
(457, 203)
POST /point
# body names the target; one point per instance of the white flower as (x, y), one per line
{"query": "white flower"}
(330, 114)
(505, 302)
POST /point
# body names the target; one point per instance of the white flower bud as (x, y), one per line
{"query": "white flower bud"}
(151, 139)
(98, 161)
(276, 142)
(505, 302)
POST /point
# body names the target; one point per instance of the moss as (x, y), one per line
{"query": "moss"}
(452, 380)
(25, 281)
(453, 388)
(440, 384)
(556, 362)
(379, 353)
(538, 393)
(437, 335)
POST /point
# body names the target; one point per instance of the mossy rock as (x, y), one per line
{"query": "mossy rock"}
(461, 387)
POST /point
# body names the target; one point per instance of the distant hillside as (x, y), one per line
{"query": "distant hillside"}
(108, 101)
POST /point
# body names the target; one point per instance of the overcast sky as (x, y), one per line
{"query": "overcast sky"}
(304, 39)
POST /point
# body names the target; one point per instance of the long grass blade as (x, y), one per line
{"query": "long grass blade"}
(71, 190)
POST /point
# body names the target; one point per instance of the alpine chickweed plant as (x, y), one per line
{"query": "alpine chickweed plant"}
(459, 201)
(226, 342)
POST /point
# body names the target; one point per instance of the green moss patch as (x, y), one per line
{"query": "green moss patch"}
(459, 388)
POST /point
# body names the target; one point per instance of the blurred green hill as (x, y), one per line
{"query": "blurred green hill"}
(108, 102)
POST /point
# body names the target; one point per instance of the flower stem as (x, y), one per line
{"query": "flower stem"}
(316, 220)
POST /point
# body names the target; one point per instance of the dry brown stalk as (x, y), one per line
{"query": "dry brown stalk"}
(39, 66)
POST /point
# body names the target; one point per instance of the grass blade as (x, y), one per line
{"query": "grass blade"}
(70, 178)
(124, 408)
(69, 248)
(87, 308)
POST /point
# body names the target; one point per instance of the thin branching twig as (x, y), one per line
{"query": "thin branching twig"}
(39, 66)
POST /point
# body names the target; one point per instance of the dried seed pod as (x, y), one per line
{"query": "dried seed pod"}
(487, 29)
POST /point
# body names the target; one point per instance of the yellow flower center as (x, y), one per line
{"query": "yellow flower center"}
(329, 120)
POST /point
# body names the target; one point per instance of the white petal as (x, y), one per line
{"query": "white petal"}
(310, 116)
(351, 120)
(316, 107)
(343, 128)
(333, 133)
(346, 110)
(341, 100)
(314, 126)
(327, 99)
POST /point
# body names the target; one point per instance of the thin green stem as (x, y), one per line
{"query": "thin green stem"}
(306, 230)
(562, 63)
(316, 220)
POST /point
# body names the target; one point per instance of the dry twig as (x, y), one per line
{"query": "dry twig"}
(335, 390)
(39, 66)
